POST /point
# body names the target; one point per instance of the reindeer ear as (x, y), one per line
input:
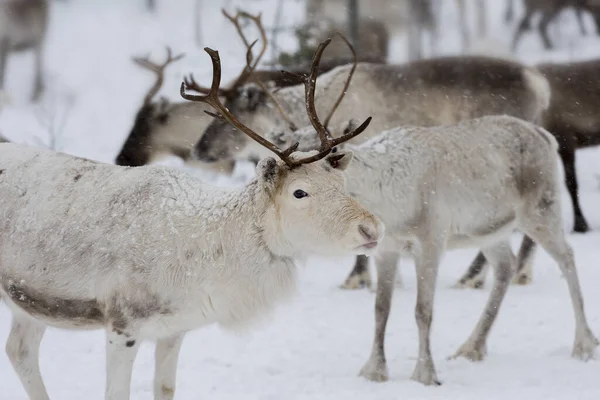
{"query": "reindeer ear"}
(268, 172)
(340, 159)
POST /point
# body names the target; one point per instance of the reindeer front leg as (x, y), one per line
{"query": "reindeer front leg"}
(23, 348)
(427, 264)
(165, 373)
(121, 350)
(375, 369)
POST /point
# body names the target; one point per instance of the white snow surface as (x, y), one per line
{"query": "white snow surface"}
(314, 346)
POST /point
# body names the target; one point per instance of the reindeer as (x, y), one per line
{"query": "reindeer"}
(373, 40)
(425, 92)
(455, 186)
(23, 25)
(155, 253)
(572, 119)
(162, 128)
(550, 10)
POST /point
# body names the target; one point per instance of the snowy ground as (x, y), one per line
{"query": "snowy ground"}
(314, 346)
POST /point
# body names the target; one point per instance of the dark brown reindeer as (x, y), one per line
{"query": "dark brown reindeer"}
(572, 118)
(23, 25)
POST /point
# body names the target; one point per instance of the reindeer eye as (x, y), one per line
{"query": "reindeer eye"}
(300, 194)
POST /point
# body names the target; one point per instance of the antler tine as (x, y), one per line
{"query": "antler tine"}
(212, 99)
(250, 66)
(158, 69)
(190, 83)
(347, 84)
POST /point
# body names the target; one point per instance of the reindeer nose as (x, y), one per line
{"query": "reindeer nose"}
(368, 233)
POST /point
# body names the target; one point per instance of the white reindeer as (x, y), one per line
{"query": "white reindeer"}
(425, 92)
(151, 253)
(465, 185)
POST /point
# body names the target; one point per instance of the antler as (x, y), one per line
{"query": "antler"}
(250, 66)
(251, 62)
(310, 81)
(158, 69)
(350, 74)
(212, 99)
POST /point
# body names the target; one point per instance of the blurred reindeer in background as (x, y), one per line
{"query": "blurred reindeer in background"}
(550, 9)
(415, 18)
(423, 18)
(23, 25)
(163, 128)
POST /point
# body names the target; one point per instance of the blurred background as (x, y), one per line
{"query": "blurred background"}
(92, 89)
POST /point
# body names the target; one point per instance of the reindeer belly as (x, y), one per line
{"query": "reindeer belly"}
(482, 233)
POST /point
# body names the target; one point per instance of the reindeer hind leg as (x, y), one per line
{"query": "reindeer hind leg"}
(359, 277)
(543, 223)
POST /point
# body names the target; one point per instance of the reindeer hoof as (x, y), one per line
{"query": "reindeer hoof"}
(470, 352)
(521, 279)
(375, 371)
(358, 281)
(580, 225)
(470, 284)
(425, 374)
(585, 346)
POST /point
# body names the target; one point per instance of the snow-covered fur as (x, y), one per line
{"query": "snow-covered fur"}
(151, 253)
(23, 26)
(465, 185)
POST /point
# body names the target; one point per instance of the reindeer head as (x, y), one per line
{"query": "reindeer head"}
(311, 210)
(309, 203)
(136, 149)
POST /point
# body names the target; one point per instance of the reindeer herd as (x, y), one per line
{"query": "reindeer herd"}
(412, 159)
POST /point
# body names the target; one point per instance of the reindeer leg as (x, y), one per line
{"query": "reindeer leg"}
(579, 15)
(509, 14)
(121, 350)
(543, 28)
(544, 225)
(503, 260)
(464, 26)
(375, 369)
(165, 373)
(524, 25)
(359, 276)
(567, 156)
(427, 264)
(38, 84)
(597, 21)
(525, 262)
(22, 348)
(3, 58)
(475, 276)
